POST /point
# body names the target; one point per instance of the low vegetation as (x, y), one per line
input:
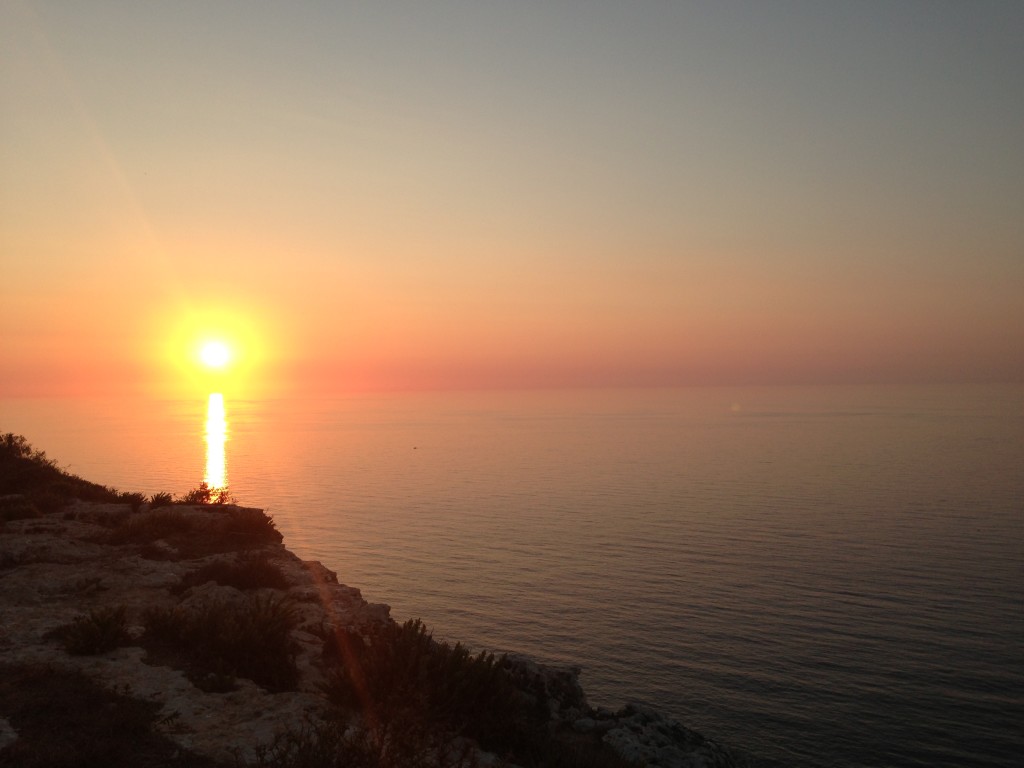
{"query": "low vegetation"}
(43, 485)
(158, 500)
(251, 527)
(402, 675)
(174, 533)
(133, 500)
(101, 631)
(64, 720)
(17, 507)
(250, 571)
(204, 494)
(250, 638)
(403, 681)
(147, 528)
(339, 745)
(422, 703)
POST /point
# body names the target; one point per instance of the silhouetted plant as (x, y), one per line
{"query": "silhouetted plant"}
(135, 500)
(14, 446)
(27, 471)
(204, 494)
(160, 500)
(247, 638)
(101, 631)
(253, 526)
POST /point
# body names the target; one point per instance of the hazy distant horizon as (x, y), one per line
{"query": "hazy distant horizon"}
(452, 195)
(58, 388)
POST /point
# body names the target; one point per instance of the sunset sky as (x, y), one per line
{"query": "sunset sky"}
(362, 196)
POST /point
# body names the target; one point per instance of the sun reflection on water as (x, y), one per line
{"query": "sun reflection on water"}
(216, 435)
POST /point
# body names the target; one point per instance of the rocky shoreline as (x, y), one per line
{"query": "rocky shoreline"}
(78, 570)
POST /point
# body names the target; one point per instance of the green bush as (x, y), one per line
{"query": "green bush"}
(249, 638)
(101, 631)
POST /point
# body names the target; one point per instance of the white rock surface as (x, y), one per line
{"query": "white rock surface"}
(7, 734)
(57, 568)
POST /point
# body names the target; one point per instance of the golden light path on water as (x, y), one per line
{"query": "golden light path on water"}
(216, 435)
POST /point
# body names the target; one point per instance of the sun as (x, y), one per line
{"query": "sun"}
(215, 354)
(215, 348)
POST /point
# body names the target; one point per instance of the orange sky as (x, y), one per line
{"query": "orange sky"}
(460, 197)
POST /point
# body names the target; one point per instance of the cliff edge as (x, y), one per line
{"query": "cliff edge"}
(183, 634)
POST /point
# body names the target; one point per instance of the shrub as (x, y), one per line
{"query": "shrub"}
(248, 638)
(337, 745)
(248, 572)
(253, 526)
(404, 676)
(14, 446)
(49, 500)
(160, 500)
(162, 625)
(135, 500)
(64, 719)
(101, 631)
(28, 471)
(17, 507)
(189, 534)
(204, 495)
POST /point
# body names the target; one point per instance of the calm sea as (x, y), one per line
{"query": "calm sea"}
(819, 576)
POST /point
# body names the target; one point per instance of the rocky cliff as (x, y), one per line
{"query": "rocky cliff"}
(189, 635)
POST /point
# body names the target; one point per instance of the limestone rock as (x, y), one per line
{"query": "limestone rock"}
(560, 686)
(645, 736)
(7, 734)
(63, 565)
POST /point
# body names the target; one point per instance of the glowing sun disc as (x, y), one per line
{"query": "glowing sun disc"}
(215, 354)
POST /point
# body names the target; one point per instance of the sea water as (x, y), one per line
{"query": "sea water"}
(826, 576)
